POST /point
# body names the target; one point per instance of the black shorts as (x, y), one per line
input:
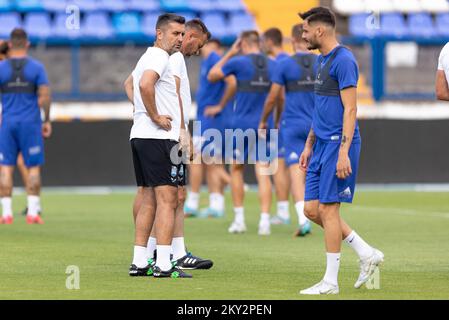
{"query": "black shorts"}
(153, 165)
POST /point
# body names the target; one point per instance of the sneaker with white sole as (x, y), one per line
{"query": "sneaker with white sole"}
(237, 227)
(277, 220)
(368, 266)
(321, 287)
(264, 228)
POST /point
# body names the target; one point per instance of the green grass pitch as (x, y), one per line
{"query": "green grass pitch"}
(95, 233)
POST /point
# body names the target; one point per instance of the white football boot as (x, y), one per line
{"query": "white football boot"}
(321, 287)
(368, 266)
(237, 227)
(264, 228)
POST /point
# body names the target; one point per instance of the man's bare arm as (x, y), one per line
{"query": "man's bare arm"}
(270, 102)
(279, 107)
(349, 99)
(44, 101)
(129, 88)
(441, 86)
(178, 92)
(230, 90)
(216, 73)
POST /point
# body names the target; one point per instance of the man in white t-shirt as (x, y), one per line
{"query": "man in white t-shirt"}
(442, 79)
(154, 143)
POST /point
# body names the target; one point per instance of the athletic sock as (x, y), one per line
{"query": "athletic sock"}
(178, 248)
(192, 201)
(216, 201)
(239, 215)
(265, 218)
(163, 257)
(7, 207)
(140, 257)
(151, 246)
(283, 209)
(332, 267)
(33, 205)
(363, 249)
(302, 219)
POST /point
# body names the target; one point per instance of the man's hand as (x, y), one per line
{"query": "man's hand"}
(304, 159)
(46, 129)
(344, 169)
(163, 121)
(212, 111)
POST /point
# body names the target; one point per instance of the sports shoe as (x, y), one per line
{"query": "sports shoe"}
(151, 264)
(190, 212)
(7, 220)
(368, 266)
(134, 271)
(237, 227)
(264, 228)
(34, 220)
(190, 262)
(321, 287)
(303, 230)
(25, 212)
(209, 212)
(277, 219)
(174, 272)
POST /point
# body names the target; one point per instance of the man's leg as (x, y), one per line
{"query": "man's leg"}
(195, 180)
(137, 202)
(6, 184)
(178, 243)
(238, 196)
(217, 179)
(265, 189)
(33, 187)
(298, 180)
(22, 169)
(282, 185)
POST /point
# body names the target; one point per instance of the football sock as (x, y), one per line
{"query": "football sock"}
(363, 249)
(283, 210)
(151, 246)
(302, 219)
(265, 218)
(239, 215)
(332, 267)
(33, 205)
(140, 257)
(7, 207)
(178, 248)
(216, 201)
(192, 201)
(163, 257)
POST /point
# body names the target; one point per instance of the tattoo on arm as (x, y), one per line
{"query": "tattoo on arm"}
(311, 138)
(343, 140)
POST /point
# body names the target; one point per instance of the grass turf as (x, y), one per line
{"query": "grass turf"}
(95, 233)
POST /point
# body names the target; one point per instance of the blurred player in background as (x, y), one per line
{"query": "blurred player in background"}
(442, 79)
(295, 74)
(272, 43)
(217, 95)
(335, 140)
(25, 91)
(253, 71)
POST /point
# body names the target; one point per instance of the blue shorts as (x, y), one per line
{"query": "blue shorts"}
(25, 138)
(294, 140)
(321, 181)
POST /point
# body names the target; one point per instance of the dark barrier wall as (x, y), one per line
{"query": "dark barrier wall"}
(98, 153)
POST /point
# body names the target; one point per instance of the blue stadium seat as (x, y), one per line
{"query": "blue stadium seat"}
(187, 15)
(203, 5)
(393, 24)
(97, 25)
(231, 5)
(5, 5)
(38, 25)
(442, 24)
(421, 25)
(127, 24)
(29, 5)
(217, 24)
(144, 5)
(86, 5)
(174, 5)
(9, 21)
(149, 23)
(61, 30)
(54, 5)
(362, 25)
(241, 22)
(114, 6)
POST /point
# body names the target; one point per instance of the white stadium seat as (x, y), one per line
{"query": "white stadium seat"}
(407, 6)
(435, 6)
(379, 5)
(348, 7)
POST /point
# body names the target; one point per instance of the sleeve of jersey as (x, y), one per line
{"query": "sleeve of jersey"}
(156, 63)
(231, 67)
(42, 78)
(443, 61)
(278, 74)
(347, 73)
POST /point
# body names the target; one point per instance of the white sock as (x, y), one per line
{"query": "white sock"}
(216, 201)
(265, 218)
(332, 267)
(151, 246)
(239, 215)
(302, 219)
(34, 203)
(283, 209)
(193, 199)
(178, 248)
(140, 257)
(7, 207)
(163, 257)
(363, 249)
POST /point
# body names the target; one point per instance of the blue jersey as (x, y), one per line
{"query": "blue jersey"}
(19, 95)
(299, 105)
(248, 106)
(343, 73)
(281, 56)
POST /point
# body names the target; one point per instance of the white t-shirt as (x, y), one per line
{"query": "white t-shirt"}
(443, 61)
(167, 102)
(179, 69)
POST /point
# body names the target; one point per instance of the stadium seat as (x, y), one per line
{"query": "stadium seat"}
(421, 25)
(29, 5)
(435, 6)
(54, 5)
(442, 24)
(60, 29)
(144, 5)
(86, 5)
(187, 15)
(5, 5)
(97, 25)
(381, 6)
(149, 23)
(363, 25)
(127, 24)
(393, 24)
(38, 25)
(9, 21)
(407, 6)
(240, 22)
(231, 5)
(202, 5)
(114, 6)
(174, 5)
(217, 25)
(348, 7)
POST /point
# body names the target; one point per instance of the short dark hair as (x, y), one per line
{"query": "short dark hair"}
(166, 18)
(275, 35)
(319, 14)
(18, 38)
(199, 25)
(297, 31)
(4, 48)
(251, 36)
